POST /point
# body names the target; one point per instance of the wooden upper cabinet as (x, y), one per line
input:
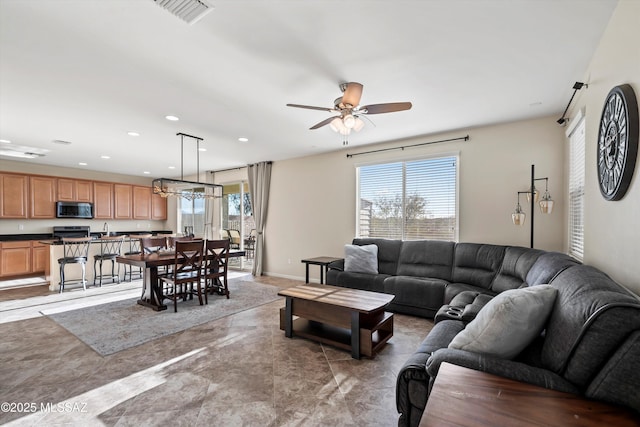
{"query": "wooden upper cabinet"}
(42, 192)
(84, 191)
(158, 207)
(14, 190)
(141, 202)
(123, 198)
(102, 200)
(73, 190)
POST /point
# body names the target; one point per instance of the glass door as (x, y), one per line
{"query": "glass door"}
(237, 221)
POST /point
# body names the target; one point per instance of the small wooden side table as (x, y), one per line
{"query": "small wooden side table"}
(322, 261)
(466, 397)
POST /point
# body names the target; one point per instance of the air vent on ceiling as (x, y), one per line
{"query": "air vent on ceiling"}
(189, 11)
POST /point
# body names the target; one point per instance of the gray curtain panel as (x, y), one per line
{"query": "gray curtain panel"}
(259, 181)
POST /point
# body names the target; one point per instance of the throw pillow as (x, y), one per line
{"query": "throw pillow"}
(508, 323)
(361, 259)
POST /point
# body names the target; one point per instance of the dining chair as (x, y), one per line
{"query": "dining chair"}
(134, 249)
(234, 239)
(149, 245)
(187, 271)
(75, 251)
(110, 248)
(216, 255)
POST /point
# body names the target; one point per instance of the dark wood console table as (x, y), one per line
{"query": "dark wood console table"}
(466, 397)
(322, 261)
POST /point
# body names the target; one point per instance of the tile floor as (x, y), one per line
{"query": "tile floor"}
(236, 371)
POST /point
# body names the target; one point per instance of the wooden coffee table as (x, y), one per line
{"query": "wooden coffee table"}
(469, 398)
(345, 318)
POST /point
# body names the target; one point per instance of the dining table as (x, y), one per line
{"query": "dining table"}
(150, 262)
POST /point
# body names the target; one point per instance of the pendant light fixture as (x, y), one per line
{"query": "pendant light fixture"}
(189, 190)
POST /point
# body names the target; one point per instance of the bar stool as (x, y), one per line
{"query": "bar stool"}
(109, 249)
(75, 251)
(134, 249)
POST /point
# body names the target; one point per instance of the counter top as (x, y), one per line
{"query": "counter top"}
(49, 236)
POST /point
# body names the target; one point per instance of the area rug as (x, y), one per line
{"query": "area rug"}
(116, 326)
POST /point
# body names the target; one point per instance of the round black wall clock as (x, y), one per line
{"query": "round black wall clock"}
(617, 142)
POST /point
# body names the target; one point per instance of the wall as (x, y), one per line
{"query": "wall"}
(611, 228)
(312, 202)
(34, 226)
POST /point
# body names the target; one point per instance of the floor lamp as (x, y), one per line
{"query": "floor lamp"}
(546, 204)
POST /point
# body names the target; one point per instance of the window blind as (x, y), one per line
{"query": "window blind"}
(576, 191)
(408, 200)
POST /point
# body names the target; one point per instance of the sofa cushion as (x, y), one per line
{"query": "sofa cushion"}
(362, 281)
(388, 253)
(361, 259)
(477, 264)
(507, 323)
(426, 258)
(420, 292)
(548, 266)
(516, 264)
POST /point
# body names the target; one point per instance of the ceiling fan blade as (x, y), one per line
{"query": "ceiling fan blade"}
(352, 94)
(309, 107)
(323, 123)
(386, 108)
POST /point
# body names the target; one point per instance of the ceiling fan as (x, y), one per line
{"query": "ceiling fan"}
(348, 110)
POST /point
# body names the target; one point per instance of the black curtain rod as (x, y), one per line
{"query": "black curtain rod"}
(576, 87)
(466, 138)
(227, 170)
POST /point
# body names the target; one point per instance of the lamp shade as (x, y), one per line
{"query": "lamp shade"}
(536, 196)
(546, 204)
(359, 124)
(518, 218)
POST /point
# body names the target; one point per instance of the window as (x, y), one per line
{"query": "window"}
(576, 191)
(408, 200)
(191, 215)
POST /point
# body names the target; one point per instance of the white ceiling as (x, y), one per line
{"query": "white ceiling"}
(89, 71)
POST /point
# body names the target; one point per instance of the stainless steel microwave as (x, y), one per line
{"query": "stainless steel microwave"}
(74, 210)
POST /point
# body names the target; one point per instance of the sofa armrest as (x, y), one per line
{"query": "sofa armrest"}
(336, 265)
(501, 367)
(412, 386)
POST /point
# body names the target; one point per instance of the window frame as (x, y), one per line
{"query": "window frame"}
(408, 159)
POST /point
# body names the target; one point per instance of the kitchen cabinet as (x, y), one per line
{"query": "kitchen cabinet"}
(158, 207)
(123, 198)
(73, 190)
(23, 257)
(141, 202)
(42, 193)
(14, 195)
(102, 200)
(39, 257)
(15, 258)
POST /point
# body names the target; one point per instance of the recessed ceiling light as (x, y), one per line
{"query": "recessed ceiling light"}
(202, 149)
(172, 167)
(133, 133)
(105, 157)
(82, 164)
(243, 139)
(6, 141)
(146, 172)
(172, 118)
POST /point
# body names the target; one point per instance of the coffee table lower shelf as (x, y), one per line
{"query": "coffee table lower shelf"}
(372, 337)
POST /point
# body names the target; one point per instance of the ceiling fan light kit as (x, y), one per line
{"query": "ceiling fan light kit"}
(349, 110)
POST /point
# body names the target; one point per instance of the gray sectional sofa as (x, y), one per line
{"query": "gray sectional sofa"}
(590, 344)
